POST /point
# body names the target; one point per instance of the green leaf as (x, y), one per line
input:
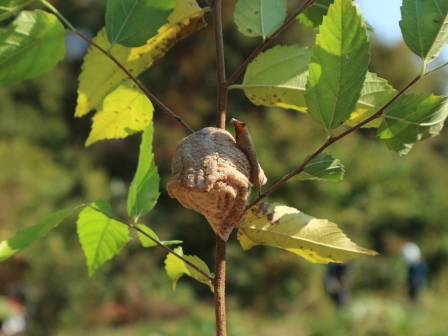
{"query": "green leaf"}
(147, 242)
(100, 75)
(132, 23)
(269, 81)
(101, 236)
(259, 17)
(338, 66)
(424, 25)
(412, 118)
(277, 77)
(30, 46)
(316, 240)
(144, 189)
(176, 268)
(28, 236)
(323, 167)
(375, 93)
(10, 7)
(313, 16)
(125, 111)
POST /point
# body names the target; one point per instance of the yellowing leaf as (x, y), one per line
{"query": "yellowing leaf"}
(316, 240)
(176, 268)
(124, 111)
(100, 75)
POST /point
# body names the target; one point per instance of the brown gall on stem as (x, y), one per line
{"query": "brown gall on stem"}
(244, 141)
(210, 174)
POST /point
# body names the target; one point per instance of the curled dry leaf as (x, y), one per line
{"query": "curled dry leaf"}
(210, 174)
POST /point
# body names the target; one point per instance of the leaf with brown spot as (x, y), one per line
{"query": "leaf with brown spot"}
(316, 240)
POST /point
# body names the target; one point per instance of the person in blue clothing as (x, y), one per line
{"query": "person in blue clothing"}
(417, 269)
(336, 283)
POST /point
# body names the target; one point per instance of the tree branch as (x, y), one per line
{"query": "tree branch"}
(220, 264)
(220, 287)
(263, 44)
(329, 142)
(221, 69)
(158, 243)
(135, 80)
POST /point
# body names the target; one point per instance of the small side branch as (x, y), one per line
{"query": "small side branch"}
(140, 86)
(159, 244)
(268, 40)
(329, 142)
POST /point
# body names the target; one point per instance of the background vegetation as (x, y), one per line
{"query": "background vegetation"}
(383, 202)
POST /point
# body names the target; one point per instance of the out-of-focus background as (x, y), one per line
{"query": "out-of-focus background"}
(384, 202)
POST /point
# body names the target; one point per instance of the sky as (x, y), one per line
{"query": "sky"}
(384, 15)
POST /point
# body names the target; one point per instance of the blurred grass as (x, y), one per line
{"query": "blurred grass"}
(367, 314)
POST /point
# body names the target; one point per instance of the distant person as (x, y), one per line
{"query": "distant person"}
(417, 269)
(336, 283)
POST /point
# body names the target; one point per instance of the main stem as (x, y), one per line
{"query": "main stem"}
(220, 287)
(220, 266)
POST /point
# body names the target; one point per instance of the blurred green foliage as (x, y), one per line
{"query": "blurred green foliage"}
(384, 201)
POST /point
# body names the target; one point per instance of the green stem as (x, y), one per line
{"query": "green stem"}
(59, 15)
(435, 69)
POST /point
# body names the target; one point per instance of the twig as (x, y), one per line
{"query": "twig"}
(131, 76)
(263, 44)
(221, 70)
(135, 80)
(158, 243)
(220, 287)
(329, 142)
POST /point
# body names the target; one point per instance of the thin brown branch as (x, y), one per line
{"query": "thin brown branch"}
(158, 243)
(220, 287)
(221, 68)
(140, 86)
(329, 142)
(268, 40)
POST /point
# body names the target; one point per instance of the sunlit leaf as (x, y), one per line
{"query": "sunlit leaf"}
(323, 167)
(412, 118)
(314, 15)
(375, 93)
(424, 25)
(147, 242)
(100, 75)
(277, 77)
(338, 66)
(144, 189)
(28, 236)
(176, 268)
(30, 46)
(101, 237)
(10, 7)
(259, 17)
(125, 111)
(316, 240)
(133, 22)
(269, 81)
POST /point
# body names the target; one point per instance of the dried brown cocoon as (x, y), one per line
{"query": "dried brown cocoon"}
(210, 174)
